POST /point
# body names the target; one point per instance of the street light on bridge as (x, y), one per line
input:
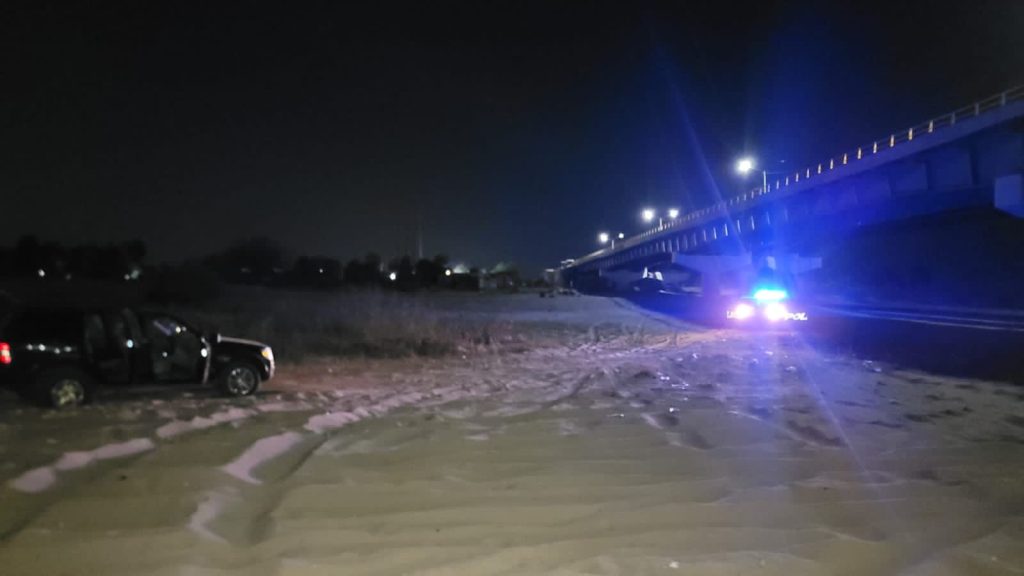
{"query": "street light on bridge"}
(673, 213)
(746, 165)
(605, 237)
(648, 215)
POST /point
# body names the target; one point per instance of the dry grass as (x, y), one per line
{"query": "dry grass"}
(393, 325)
(297, 324)
(384, 324)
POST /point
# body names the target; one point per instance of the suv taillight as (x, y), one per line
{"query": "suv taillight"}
(5, 353)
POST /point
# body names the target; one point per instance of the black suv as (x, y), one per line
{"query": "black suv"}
(58, 356)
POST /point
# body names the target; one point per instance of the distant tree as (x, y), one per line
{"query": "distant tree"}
(365, 272)
(134, 251)
(188, 283)
(27, 256)
(354, 273)
(315, 272)
(51, 260)
(111, 262)
(405, 267)
(404, 271)
(83, 259)
(429, 273)
(374, 262)
(252, 261)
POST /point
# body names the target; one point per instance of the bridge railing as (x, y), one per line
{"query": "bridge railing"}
(894, 139)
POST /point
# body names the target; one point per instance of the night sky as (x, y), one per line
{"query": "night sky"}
(513, 131)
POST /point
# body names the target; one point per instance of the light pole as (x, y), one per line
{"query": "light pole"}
(605, 237)
(649, 214)
(673, 213)
(746, 164)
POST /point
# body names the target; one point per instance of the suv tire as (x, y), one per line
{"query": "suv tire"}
(64, 388)
(239, 379)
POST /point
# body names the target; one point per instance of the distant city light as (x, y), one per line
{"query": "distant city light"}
(393, 276)
(602, 237)
(745, 165)
(648, 214)
(673, 213)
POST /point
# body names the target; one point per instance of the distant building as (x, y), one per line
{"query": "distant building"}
(552, 277)
(463, 277)
(504, 276)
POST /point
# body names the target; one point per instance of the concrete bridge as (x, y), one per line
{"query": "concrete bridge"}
(972, 157)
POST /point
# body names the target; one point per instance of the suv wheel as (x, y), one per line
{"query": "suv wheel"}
(64, 388)
(240, 380)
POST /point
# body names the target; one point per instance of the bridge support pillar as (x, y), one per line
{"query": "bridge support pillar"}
(716, 271)
(1009, 194)
(791, 264)
(737, 272)
(620, 279)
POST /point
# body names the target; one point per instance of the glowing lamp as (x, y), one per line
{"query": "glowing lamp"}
(741, 311)
(770, 295)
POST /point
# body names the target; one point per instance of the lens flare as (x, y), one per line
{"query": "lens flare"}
(741, 311)
(775, 312)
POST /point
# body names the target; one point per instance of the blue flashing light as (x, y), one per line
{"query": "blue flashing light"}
(769, 295)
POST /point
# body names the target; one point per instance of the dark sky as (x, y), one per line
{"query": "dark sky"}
(514, 130)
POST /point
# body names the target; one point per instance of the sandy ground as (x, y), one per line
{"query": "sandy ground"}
(617, 444)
